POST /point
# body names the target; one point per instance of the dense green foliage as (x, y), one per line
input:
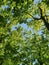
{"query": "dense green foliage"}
(24, 40)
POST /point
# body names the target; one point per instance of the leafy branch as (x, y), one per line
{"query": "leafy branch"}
(44, 18)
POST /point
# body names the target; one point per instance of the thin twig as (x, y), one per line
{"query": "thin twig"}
(35, 18)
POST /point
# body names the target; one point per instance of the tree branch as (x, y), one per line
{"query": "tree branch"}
(45, 20)
(35, 18)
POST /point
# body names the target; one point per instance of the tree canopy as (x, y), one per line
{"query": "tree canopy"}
(24, 32)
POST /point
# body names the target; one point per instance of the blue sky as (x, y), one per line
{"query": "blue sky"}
(37, 1)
